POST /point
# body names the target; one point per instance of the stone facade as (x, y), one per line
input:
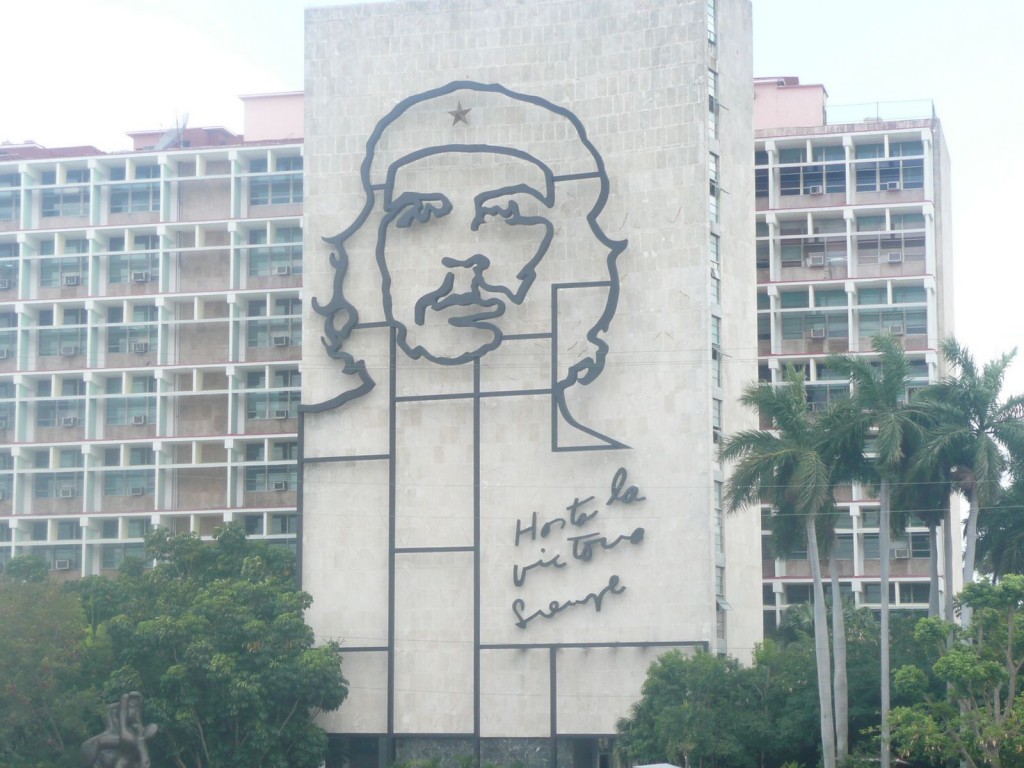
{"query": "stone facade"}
(508, 462)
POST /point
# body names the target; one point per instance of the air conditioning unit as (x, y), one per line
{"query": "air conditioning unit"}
(69, 351)
(816, 189)
(891, 186)
(136, 491)
(140, 346)
(67, 493)
(894, 257)
(4, 354)
(816, 260)
(900, 554)
(70, 281)
(69, 421)
(5, 284)
(280, 485)
(139, 420)
(281, 341)
(896, 330)
(281, 413)
(3, 422)
(816, 333)
(3, 495)
(140, 277)
(62, 565)
(282, 269)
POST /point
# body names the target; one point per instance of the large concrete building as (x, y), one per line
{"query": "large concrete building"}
(150, 331)
(505, 463)
(853, 239)
(522, 345)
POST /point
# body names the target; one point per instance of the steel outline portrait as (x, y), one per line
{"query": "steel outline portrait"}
(479, 304)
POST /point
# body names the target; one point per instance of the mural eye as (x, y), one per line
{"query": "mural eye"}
(419, 210)
(507, 210)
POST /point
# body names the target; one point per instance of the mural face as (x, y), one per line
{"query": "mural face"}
(462, 234)
(481, 246)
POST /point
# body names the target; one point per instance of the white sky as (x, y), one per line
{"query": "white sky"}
(147, 62)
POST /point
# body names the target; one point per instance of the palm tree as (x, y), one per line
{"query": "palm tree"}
(975, 435)
(1001, 534)
(788, 468)
(877, 419)
(925, 494)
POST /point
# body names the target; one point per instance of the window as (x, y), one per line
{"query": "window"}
(68, 530)
(815, 325)
(281, 402)
(136, 410)
(284, 257)
(915, 593)
(712, 104)
(719, 539)
(909, 294)
(8, 334)
(283, 329)
(68, 410)
(141, 265)
(65, 271)
(713, 188)
(135, 482)
(826, 174)
(798, 593)
(844, 547)
(271, 477)
(819, 396)
(872, 296)
(716, 331)
(897, 321)
(830, 298)
(10, 196)
(871, 546)
(284, 524)
(793, 299)
(716, 418)
(140, 336)
(66, 200)
(920, 545)
(712, 12)
(138, 527)
(253, 525)
(282, 186)
(901, 171)
(139, 196)
(66, 341)
(714, 249)
(112, 555)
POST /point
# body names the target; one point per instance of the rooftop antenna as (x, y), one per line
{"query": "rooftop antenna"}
(172, 137)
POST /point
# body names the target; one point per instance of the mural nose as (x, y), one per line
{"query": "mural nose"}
(476, 261)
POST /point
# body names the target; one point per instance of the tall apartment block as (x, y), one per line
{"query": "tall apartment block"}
(149, 338)
(853, 239)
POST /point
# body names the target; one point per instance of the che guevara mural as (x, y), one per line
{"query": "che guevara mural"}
(475, 503)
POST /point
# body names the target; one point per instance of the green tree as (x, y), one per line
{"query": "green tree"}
(877, 420)
(695, 710)
(789, 468)
(214, 638)
(44, 702)
(27, 568)
(969, 706)
(976, 435)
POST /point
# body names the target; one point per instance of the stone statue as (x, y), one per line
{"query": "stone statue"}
(123, 743)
